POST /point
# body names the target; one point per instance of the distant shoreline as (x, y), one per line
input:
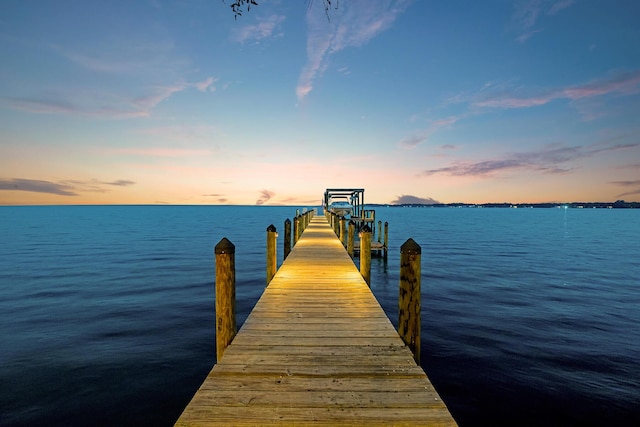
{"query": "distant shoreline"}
(620, 204)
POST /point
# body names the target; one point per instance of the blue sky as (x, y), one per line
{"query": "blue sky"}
(177, 102)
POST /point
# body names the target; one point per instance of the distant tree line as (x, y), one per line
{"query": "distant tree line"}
(618, 204)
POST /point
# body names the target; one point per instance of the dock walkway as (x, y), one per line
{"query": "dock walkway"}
(317, 349)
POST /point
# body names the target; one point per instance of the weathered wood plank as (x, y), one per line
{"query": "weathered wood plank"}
(296, 383)
(401, 371)
(326, 416)
(317, 349)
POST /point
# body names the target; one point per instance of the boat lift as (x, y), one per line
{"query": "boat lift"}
(355, 196)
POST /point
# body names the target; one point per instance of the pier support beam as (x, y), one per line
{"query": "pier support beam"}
(409, 299)
(225, 295)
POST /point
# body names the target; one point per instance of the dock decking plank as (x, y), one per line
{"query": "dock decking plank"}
(317, 349)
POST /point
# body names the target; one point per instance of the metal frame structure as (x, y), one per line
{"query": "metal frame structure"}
(355, 195)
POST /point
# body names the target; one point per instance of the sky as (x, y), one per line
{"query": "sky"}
(180, 102)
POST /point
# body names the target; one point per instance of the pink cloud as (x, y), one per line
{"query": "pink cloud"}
(621, 84)
(550, 159)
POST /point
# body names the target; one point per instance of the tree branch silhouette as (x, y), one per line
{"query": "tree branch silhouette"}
(238, 7)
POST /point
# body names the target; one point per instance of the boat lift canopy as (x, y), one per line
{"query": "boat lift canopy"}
(355, 196)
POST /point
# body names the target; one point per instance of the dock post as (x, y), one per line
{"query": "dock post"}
(300, 227)
(287, 238)
(409, 300)
(379, 231)
(333, 222)
(343, 231)
(365, 254)
(386, 239)
(225, 295)
(272, 260)
(296, 226)
(351, 237)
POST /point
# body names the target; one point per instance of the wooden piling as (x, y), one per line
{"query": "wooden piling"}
(272, 260)
(409, 299)
(300, 227)
(225, 252)
(386, 239)
(351, 237)
(296, 226)
(287, 238)
(343, 231)
(379, 231)
(365, 254)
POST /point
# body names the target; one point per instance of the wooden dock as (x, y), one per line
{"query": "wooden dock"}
(317, 349)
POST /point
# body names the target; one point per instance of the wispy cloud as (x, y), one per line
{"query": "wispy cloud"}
(37, 186)
(150, 55)
(61, 188)
(550, 159)
(353, 24)
(634, 184)
(627, 183)
(265, 195)
(559, 5)
(627, 83)
(587, 98)
(206, 85)
(101, 104)
(141, 74)
(423, 135)
(265, 28)
(220, 198)
(160, 93)
(121, 182)
(528, 13)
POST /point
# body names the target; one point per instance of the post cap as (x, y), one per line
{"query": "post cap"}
(225, 246)
(287, 221)
(366, 229)
(410, 247)
(271, 228)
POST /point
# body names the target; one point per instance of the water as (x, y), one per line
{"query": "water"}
(529, 317)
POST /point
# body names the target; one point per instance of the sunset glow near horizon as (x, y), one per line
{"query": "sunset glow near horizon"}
(174, 102)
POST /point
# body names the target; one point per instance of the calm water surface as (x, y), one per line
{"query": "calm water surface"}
(530, 316)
